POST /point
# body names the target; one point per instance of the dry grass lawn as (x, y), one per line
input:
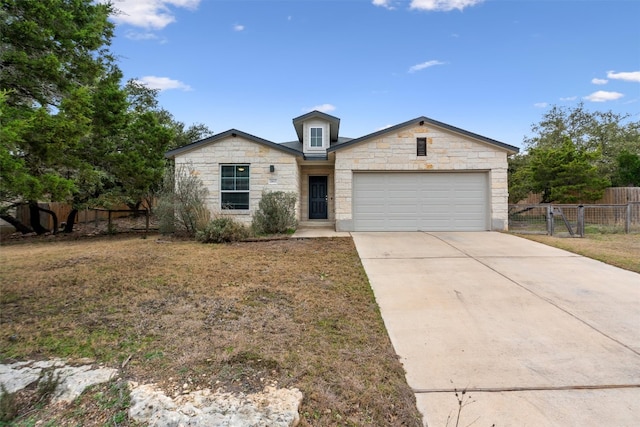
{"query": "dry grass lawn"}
(237, 316)
(621, 250)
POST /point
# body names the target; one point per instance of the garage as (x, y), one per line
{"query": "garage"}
(420, 201)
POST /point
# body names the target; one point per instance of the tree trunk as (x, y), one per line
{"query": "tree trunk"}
(16, 224)
(71, 220)
(34, 217)
(54, 217)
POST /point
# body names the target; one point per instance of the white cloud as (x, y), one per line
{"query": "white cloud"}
(541, 104)
(163, 83)
(569, 98)
(442, 5)
(384, 127)
(603, 96)
(155, 14)
(383, 3)
(424, 65)
(323, 108)
(238, 27)
(135, 35)
(631, 76)
(599, 81)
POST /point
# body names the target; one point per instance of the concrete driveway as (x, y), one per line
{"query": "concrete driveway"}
(537, 336)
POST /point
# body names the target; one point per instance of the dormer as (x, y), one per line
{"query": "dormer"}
(316, 131)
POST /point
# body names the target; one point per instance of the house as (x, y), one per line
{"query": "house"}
(418, 175)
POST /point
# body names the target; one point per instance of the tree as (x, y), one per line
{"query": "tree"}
(582, 139)
(71, 131)
(53, 51)
(603, 131)
(50, 47)
(565, 174)
(628, 170)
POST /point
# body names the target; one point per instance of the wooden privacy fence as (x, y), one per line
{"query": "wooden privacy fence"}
(85, 216)
(612, 196)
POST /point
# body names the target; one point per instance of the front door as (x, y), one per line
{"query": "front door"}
(317, 197)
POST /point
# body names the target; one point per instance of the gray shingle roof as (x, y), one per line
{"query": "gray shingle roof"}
(425, 120)
(295, 147)
(231, 132)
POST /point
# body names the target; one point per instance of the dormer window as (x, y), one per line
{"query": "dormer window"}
(316, 137)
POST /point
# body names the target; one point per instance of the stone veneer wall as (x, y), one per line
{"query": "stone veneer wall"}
(446, 151)
(206, 161)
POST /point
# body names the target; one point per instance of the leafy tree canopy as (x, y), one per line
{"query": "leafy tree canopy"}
(573, 154)
(70, 130)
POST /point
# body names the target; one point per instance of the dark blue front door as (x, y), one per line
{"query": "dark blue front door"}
(317, 197)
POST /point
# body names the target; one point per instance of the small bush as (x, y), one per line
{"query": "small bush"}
(222, 229)
(181, 204)
(276, 213)
(8, 405)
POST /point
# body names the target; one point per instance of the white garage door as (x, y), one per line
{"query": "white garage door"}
(387, 201)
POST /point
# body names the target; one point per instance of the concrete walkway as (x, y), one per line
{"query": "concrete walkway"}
(315, 232)
(537, 336)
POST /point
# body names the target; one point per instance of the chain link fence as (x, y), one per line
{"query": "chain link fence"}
(574, 220)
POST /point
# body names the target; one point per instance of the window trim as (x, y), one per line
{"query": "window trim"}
(311, 137)
(235, 184)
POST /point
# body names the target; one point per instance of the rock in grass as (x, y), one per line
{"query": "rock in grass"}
(272, 407)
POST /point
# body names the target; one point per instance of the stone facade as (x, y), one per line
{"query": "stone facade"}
(396, 151)
(449, 149)
(206, 161)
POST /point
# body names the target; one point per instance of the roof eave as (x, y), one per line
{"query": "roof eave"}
(425, 120)
(233, 133)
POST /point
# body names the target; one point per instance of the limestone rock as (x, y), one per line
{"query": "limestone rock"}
(272, 407)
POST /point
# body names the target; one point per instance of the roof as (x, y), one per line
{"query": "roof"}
(295, 147)
(425, 120)
(334, 124)
(233, 133)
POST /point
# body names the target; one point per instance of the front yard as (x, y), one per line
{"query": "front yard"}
(237, 316)
(621, 250)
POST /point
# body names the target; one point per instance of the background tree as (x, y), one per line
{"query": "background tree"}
(565, 174)
(573, 154)
(53, 51)
(71, 131)
(628, 170)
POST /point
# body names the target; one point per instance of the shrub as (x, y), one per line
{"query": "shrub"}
(223, 229)
(181, 204)
(276, 213)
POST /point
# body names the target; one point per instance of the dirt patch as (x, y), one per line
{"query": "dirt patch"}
(621, 250)
(184, 315)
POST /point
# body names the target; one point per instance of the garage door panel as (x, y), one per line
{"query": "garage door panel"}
(420, 201)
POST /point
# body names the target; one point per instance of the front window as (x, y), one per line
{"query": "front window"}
(316, 137)
(234, 187)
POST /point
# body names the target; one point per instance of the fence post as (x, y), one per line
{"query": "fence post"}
(95, 217)
(580, 225)
(627, 222)
(146, 227)
(549, 220)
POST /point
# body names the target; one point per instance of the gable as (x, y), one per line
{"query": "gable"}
(230, 135)
(333, 124)
(426, 126)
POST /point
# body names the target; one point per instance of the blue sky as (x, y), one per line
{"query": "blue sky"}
(492, 67)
